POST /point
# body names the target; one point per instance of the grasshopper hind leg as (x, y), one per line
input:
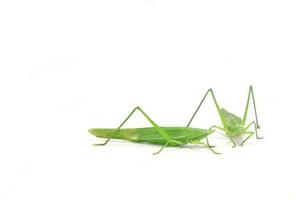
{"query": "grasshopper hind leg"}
(256, 124)
(155, 153)
(163, 133)
(250, 135)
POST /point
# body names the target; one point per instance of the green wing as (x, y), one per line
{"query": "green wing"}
(150, 135)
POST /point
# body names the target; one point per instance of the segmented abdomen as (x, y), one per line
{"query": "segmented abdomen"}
(149, 135)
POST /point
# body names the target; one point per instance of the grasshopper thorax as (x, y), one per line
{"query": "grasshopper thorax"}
(234, 124)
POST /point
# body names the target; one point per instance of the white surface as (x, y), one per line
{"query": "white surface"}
(66, 66)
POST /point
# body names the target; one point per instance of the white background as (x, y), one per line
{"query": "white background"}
(66, 66)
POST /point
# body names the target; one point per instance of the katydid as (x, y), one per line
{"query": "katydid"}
(233, 126)
(164, 136)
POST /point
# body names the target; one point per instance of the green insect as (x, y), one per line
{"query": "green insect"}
(164, 136)
(234, 127)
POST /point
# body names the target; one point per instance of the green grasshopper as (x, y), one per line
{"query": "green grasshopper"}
(234, 127)
(165, 136)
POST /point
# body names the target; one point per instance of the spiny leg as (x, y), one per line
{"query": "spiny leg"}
(207, 143)
(210, 147)
(161, 148)
(163, 133)
(255, 127)
(250, 94)
(224, 130)
(218, 109)
(109, 138)
(213, 150)
(211, 128)
(234, 144)
(217, 127)
(216, 104)
(250, 134)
